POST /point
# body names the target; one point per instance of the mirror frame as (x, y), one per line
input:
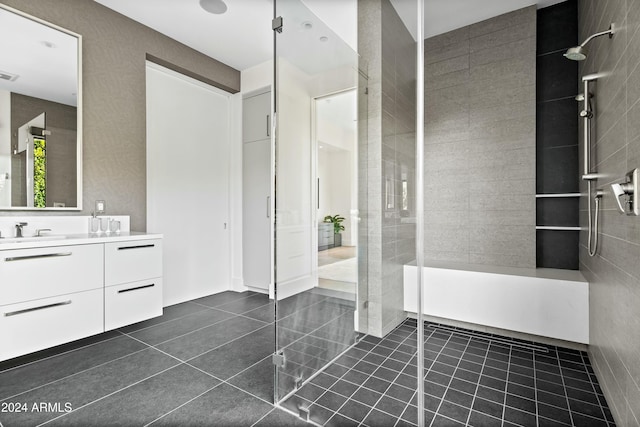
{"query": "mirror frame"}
(79, 124)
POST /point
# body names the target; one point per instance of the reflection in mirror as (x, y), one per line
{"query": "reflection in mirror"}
(40, 132)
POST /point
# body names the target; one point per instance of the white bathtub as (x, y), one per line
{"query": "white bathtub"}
(545, 302)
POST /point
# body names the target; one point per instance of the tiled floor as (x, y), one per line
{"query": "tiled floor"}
(208, 362)
(204, 362)
(468, 381)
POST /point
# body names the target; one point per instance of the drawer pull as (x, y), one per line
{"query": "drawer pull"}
(26, 257)
(136, 288)
(28, 310)
(135, 247)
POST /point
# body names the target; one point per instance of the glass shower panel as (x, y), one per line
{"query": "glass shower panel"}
(315, 318)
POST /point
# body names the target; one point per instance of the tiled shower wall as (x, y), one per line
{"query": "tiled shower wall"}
(614, 273)
(387, 46)
(480, 142)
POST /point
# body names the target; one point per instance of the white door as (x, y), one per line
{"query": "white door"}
(188, 182)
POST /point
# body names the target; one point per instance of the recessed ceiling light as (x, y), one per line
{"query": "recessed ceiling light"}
(48, 44)
(324, 39)
(306, 25)
(217, 7)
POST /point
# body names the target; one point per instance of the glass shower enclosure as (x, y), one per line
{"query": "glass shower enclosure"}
(315, 322)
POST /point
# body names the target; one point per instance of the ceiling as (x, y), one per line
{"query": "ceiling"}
(242, 36)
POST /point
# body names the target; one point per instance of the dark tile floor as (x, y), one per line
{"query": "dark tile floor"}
(475, 381)
(204, 362)
(208, 362)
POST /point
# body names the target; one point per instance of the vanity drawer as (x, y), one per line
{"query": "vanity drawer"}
(30, 274)
(132, 303)
(35, 325)
(132, 261)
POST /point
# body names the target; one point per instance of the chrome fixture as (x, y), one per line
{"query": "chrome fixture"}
(19, 226)
(40, 230)
(626, 191)
(579, 53)
(587, 114)
(580, 97)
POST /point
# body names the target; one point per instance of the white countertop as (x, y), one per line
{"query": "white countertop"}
(75, 239)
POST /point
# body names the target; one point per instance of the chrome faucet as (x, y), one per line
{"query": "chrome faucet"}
(40, 230)
(19, 226)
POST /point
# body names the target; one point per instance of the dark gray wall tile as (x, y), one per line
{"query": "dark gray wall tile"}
(557, 249)
(557, 211)
(557, 27)
(555, 77)
(557, 123)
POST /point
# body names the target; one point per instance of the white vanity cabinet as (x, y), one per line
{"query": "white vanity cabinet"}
(51, 295)
(29, 274)
(35, 325)
(133, 282)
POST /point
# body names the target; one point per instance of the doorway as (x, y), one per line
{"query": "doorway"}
(336, 138)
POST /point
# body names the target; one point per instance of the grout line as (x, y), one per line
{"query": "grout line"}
(383, 394)
(420, 376)
(604, 416)
(475, 394)
(210, 374)
(180, 406)
(504, 403)
(565, 393)
(492, 339)
(451, 379)
(243, 314)
(194, 331)
(58, 354)
(360, 386)
(535, 387)
(191, 302)
(76, 373)
(225, 343)
(108, 395)
(263, 417)
(166, 321)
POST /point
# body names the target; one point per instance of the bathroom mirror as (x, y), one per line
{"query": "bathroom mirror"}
(40, 114)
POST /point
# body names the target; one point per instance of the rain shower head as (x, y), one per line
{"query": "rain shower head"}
(579, 53)
(576, 53)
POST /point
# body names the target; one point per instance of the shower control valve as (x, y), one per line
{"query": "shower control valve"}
(624, 192)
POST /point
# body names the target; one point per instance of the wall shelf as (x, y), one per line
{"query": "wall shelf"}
(551, 227)
(545, 196)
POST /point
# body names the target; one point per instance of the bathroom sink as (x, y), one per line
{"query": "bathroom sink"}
(30, 239)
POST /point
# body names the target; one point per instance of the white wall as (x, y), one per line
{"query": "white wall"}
(5, 147)
(336, 176)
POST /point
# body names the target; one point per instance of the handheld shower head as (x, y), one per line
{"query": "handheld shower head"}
(579, 53)
(580, 97)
